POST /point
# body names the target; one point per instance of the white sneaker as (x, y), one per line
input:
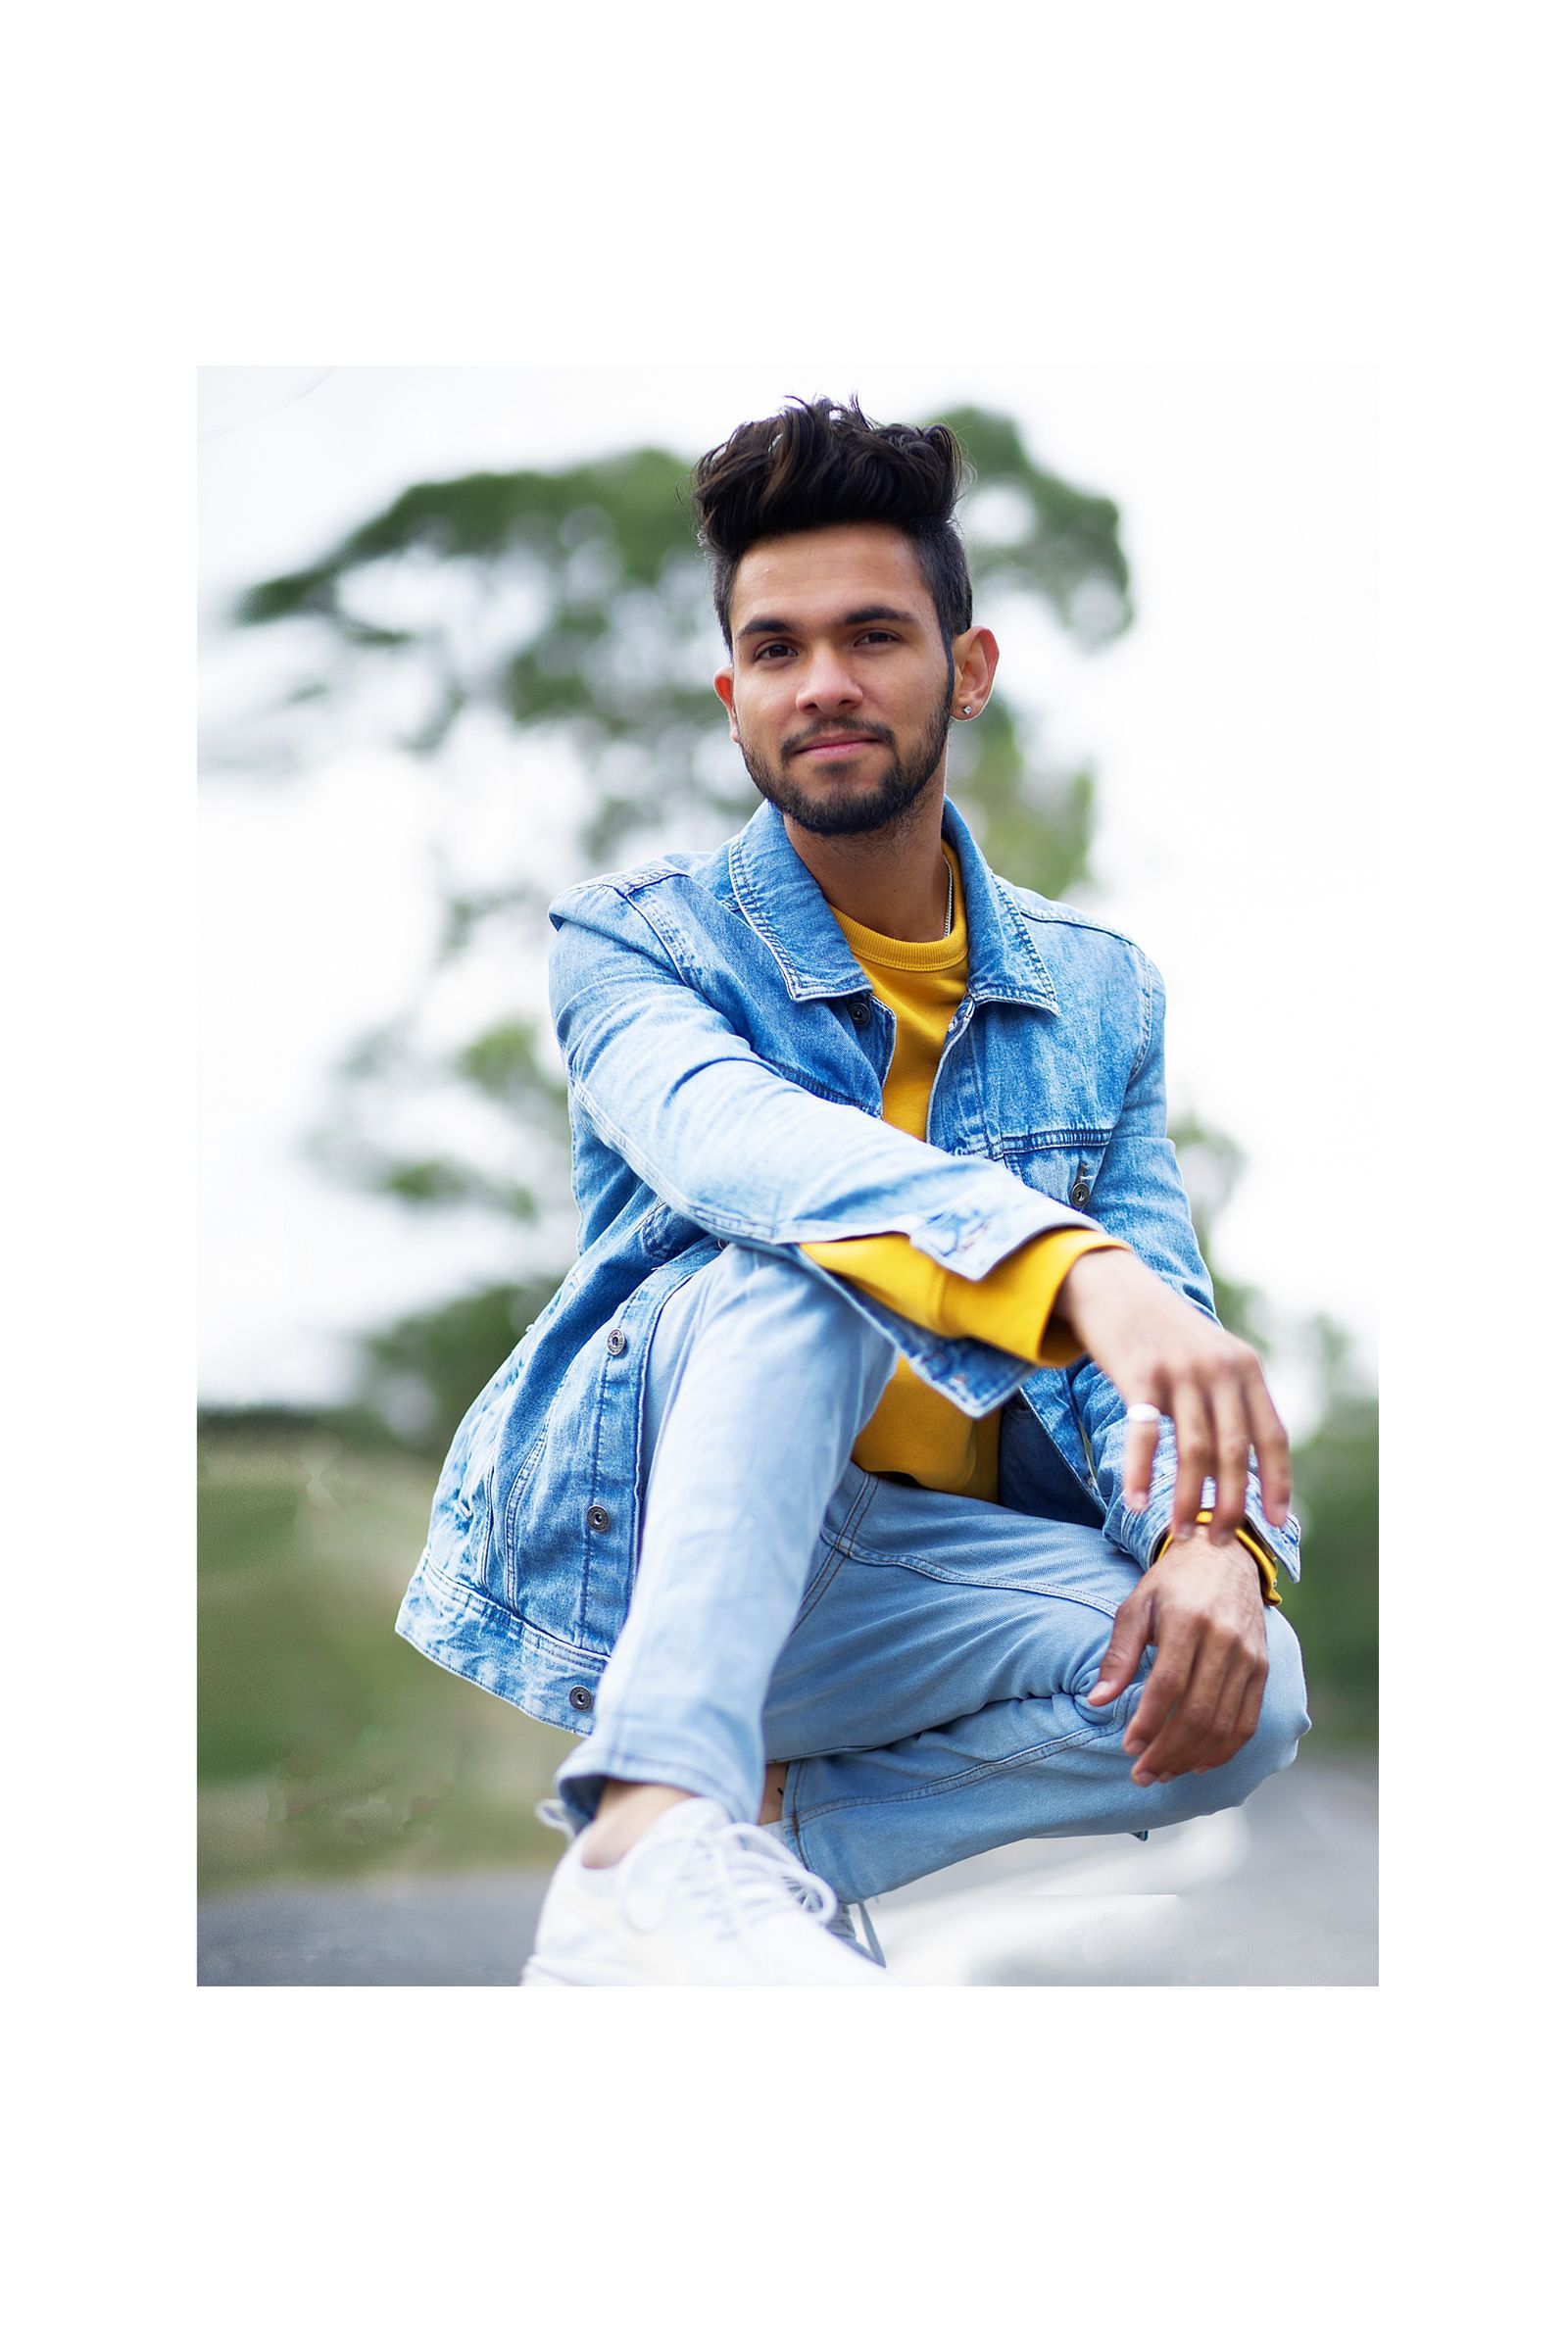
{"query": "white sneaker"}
(699, 1899)
(839, 1924)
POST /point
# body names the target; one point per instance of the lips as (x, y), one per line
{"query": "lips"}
(839, 743)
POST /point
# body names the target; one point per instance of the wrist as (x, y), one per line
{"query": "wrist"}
(1244, 1541)
(1097, 1250)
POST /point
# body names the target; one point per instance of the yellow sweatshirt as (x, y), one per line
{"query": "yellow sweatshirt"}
(914, 1430)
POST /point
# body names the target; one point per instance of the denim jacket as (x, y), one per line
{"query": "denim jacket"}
(725, 1057)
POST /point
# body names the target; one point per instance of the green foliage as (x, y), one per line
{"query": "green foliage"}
(1211, 1165)
(1068, 552)
(423, 1372)
(1335, 1606)
(504, 1062)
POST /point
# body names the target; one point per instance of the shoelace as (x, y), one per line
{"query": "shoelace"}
(871, 1943)
(788, 1876)
(736, 1873)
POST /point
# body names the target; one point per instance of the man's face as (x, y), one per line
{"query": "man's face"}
(839, 691)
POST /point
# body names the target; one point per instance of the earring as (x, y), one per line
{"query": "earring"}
(967, 712)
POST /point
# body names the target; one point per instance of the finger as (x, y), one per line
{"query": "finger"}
(1232, 1454)
(1128, 1638)
(1225, 1733)
(1272, 1447)
(1184, 1733)
(1162, 1692)
(1251, 1707)
(1248, 1711)
(1195, 1455)
(1138, 1457)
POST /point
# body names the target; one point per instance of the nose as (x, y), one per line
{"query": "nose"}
(827, 682)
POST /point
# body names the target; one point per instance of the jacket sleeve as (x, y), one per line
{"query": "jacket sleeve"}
(727, 1141)
(1139, 1196)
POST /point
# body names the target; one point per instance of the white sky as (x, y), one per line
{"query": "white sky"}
(1232, 732)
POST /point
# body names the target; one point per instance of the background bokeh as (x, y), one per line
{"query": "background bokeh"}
(456, 653)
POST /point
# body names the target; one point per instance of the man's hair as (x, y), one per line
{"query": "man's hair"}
(821, 462)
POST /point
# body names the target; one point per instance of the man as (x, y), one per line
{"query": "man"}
(866, 1500)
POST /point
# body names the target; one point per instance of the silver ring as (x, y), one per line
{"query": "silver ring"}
(1145, 1412)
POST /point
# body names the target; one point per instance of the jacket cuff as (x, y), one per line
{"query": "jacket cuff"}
(1141, 1533)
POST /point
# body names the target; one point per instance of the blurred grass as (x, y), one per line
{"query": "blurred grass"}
(326, 1746)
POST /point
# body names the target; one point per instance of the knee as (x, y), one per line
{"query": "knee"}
(809, 1295)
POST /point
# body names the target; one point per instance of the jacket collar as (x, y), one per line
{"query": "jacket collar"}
(783, 901)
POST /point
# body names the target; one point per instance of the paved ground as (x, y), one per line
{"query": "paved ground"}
(1283, 1891)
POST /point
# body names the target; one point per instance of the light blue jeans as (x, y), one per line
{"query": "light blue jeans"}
(919, 1659)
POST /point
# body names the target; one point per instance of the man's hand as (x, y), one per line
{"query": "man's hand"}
(1159, 1349)
(1203, 1611)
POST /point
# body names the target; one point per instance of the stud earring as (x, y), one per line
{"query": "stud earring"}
(966, 712)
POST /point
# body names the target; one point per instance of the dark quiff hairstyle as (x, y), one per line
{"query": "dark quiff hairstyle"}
(819, 462)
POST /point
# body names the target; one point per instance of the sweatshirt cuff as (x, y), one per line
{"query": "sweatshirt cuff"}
(1011, 1308)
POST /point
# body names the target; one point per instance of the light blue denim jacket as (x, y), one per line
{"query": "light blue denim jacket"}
(726, 1056)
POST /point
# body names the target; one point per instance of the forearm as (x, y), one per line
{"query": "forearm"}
(735, 1147)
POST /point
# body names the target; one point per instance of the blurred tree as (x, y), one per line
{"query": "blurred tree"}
(422, 1372)
(1211, 1165)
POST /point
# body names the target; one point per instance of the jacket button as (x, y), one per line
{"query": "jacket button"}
(598, 1518)
(1079, 1194)
(616, 1343)
(580, 1698)
(858, 1015)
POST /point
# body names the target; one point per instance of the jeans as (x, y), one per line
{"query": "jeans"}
(920, 1660)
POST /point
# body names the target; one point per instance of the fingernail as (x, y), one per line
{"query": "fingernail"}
(1184, 1531)
(1097, 1693)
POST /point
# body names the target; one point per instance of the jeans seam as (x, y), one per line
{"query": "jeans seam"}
(838, 1552)
(990, 1770)
(917, 1566)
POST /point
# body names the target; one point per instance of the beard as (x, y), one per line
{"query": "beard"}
(829, 808)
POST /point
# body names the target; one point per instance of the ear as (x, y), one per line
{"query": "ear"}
(976, 655)
(724, 688)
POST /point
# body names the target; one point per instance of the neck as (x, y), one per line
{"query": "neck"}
(895, 885)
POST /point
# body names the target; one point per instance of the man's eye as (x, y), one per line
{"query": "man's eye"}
(775, 647)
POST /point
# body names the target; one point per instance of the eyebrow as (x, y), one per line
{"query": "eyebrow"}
(851, 621)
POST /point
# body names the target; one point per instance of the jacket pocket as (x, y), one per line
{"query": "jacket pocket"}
(1062, 1164)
